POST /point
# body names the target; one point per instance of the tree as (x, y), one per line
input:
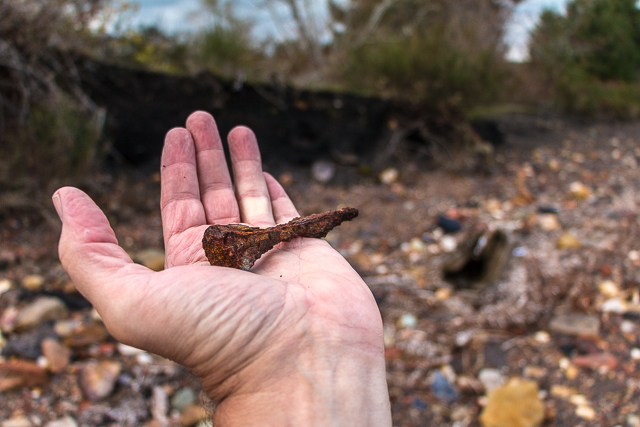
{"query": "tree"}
(598, 38)
(434, 51)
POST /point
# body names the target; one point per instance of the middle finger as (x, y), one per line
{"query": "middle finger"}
(251, 188)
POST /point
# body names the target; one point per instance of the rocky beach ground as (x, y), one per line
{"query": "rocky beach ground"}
(509, 293)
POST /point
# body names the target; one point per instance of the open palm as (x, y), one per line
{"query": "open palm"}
(239, 332)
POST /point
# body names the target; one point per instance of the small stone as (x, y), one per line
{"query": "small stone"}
(609, 288)
(159, 405)
(86, 335)
(323, 171)
(407, 320)
(442, 389)
(491, 379)
(568, 241)
(192, 414)
(5, 285)
(603, 360)
(417, 245)
(575, 324)
(542, 337)
(57, 355)
(98, 379)
(20, 373)
(389, 176)
(151, 258)
(40, 310)
(627, 326)
(448, 225)
(614, 305)
(33, 282)
(448, 244)
(633, 420)
(562, 391)
(515, 404)
(144, 358)
(635, 353)
(547, 210)
(579, 191)
(19, 421)
(183, 398)
(127, 350)
(443, 294)
(549, 222)
(65, 327)
(585, 412)
(62, 422)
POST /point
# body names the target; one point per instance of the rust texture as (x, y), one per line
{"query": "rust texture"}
(239, 246)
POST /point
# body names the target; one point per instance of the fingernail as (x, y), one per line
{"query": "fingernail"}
(57, 203)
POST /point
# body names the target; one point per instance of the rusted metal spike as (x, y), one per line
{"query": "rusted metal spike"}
(239, 246)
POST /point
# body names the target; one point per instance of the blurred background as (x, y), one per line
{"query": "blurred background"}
(469, 59)
(491, 147)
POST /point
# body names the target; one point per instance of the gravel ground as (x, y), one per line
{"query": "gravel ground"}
(538, 287)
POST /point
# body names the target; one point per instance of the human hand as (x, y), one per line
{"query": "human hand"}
(295, 341)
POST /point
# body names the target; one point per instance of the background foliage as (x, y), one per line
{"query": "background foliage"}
(445, 57)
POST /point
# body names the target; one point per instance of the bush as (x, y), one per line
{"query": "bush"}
(47, 132)
(436, 52)
(591, 56)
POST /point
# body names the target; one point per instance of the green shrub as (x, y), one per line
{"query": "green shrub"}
(591, 56)
(58, 142)
(435, 52)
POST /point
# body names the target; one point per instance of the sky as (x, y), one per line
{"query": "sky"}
(178, 15)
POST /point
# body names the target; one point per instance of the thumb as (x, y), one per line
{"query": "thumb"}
(89, 250)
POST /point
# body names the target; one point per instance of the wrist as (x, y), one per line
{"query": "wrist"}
(337, 386)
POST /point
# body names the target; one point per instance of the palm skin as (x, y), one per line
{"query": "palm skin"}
(301, 311)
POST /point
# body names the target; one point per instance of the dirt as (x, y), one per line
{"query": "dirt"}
(444, 321)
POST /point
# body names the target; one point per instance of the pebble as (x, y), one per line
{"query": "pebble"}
(515, 404)
(323, 171)
(5, 285)
(603, 360)
(579, 191)
(389, 176)
(542, 337)
(183, 398)
(549, 222)
(20, 373)
(586, 412)
(62, 422)
(98, 379)
(609, 288)
(40, 310)
(575, 324)
(448, 244)
(614, 305)
(442, 389)
(633, 420)
(127, 350)
(192, 414)
(547, 210)
(627, 326)
(448, 225)
(568, 241)
(635, 353)
(159, 405)
(407, 320)
(491, 379)
(57, 355)
(19, 421)
(151, 258)
(33, 282)
(86, 335)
